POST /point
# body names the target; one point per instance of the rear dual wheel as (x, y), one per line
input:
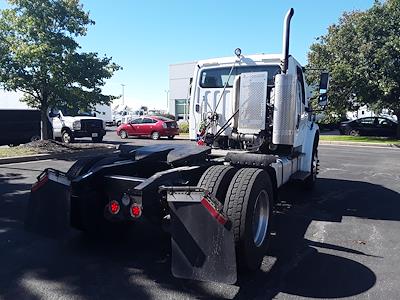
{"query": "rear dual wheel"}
(247, 198)
(216, 180)
(248, 205)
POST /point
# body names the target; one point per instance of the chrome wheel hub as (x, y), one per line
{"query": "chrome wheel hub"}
(260, 218)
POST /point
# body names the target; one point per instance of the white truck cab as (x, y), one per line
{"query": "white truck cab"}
(67, 125)
(258, 104)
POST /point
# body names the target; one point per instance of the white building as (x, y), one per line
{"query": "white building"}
(180, 76)
(364, 111)
(11, 100)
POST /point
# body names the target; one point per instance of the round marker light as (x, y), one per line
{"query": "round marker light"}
(238, 52)
(114, 207)
(136, 211)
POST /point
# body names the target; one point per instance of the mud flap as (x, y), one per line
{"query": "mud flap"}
(48, 211)
(202, 244)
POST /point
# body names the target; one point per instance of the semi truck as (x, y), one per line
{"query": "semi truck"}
(216, 204)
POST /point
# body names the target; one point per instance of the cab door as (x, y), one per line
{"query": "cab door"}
(56, 123)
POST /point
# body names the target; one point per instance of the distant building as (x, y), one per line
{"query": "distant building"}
(364, 111)
(10, 100)
(180, 76)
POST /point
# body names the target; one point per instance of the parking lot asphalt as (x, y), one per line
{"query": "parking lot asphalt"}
(341, 240)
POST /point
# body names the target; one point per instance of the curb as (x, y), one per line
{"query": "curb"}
(37, 157)
(321, 142)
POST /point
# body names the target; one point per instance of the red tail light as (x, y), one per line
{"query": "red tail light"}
(136, 210)
(113, 207)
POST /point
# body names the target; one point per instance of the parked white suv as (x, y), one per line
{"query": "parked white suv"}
(68, 126)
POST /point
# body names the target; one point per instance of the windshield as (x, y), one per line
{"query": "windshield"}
(69, 112)
(164, 119)
(217, 77)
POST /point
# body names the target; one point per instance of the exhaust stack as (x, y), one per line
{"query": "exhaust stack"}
(284, 121)
(285, 40)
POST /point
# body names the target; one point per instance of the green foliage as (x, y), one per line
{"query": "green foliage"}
(184, 127)
(38, 55)
(362, 54)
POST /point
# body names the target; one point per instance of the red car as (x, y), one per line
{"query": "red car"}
(152, 126)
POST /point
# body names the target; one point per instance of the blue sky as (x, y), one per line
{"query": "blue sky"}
(144, 37)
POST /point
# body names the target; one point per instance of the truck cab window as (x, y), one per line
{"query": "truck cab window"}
(300, 79)
(217, 77)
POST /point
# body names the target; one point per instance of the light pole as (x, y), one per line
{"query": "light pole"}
(167, 94)
(123, 94)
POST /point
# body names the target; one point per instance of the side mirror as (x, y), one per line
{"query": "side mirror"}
(323, 89)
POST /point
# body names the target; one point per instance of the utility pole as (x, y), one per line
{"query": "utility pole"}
(123, 94)
(167, 94)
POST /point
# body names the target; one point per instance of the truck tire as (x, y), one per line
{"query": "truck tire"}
(80, 167)
(83, 165)
(310, 181)
(216, 180)
(67, 137)
(88, 216)
(248, 205)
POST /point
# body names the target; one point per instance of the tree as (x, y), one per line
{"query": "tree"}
(38, 56)
(362, 53)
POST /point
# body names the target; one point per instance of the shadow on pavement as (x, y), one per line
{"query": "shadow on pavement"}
(300, 269)
(137, 266)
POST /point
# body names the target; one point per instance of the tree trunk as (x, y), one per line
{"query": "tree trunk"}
(45, 121)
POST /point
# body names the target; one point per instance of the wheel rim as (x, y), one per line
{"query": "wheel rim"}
(354, 133)
(123, 134)
(260, 218)
(155, 135)
(66, 138)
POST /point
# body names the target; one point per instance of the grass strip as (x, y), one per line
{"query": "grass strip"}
(16, 151)
(359, 139)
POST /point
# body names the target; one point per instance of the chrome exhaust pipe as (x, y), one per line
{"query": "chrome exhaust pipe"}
(285, 39)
